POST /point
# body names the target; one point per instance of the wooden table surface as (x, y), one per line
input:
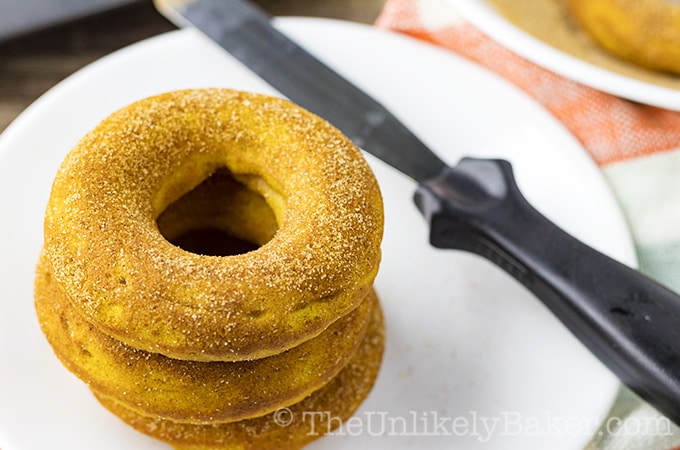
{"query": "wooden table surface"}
(32, 64)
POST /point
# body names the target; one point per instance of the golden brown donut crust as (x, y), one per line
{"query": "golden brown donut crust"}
(645, 32)
(107, 253)
(309, 419)
(192, 391)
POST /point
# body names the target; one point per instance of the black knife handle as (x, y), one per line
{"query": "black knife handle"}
(630, 322)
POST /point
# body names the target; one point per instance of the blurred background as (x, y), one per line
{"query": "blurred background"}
(44, 41)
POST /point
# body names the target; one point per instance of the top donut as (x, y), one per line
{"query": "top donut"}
(114, 265)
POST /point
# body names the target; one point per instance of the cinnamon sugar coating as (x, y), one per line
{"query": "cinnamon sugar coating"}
(129, 281)
(191, 391)
(289, 429)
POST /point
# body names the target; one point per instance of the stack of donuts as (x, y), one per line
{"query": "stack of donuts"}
(208, 270)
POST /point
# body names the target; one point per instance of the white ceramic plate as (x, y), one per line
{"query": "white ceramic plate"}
(482, 14)
(465, 342)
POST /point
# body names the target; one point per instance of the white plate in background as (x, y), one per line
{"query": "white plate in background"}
(482, 14)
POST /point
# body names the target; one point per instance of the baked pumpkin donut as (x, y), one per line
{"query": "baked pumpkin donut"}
(287, 429)
(645, 32)
(116, 268)
(191, 391)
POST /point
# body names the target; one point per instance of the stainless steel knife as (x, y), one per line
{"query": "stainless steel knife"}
(630, 322)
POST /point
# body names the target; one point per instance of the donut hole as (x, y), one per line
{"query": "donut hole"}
(219, 217)
(213, 242)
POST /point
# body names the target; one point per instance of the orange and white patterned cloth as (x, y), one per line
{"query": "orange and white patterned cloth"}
(636, 146)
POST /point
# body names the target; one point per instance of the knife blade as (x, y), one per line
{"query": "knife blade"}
(630, 322)
(315, 87)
